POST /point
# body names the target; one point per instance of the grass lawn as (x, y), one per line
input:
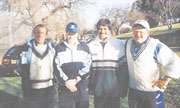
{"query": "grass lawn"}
(155, 31)
(178, 53)
(12, 86)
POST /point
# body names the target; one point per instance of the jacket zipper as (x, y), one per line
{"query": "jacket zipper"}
(71, 55)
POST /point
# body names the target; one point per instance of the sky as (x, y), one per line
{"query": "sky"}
(92, 12)
(106, 3)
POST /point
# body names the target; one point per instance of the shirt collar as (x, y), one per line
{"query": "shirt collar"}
(145, 42)
(72, 45)
(99, 40)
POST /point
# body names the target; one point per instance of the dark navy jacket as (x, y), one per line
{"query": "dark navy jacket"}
(71, 62)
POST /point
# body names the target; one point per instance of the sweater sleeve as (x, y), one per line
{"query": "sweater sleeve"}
(170, 61)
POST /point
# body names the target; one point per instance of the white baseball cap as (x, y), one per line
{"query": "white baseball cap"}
(142, 23)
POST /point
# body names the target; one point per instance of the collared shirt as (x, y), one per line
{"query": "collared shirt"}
(72, 45)
(137, 50)
(103, 44)
(40, 48)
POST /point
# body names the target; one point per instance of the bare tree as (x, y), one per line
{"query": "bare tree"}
(119, 16)
(166, 9)
(54, 13)
(115, 15)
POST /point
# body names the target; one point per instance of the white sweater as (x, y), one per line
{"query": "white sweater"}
(144, 69)
(41, 70)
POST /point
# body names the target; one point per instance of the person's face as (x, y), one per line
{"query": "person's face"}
(40, 35)
(140, 34)
(104, 32)
(71, 37)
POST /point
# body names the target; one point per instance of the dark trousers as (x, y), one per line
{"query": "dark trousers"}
(107, 102)
(40, 98)
(79, 99)
(142, 99)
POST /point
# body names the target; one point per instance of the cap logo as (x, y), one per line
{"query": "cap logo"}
(72, 27)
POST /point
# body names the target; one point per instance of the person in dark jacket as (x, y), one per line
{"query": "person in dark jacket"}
(36, 70)
(106, 52)
(72, 63)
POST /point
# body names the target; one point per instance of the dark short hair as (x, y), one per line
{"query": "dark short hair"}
(41, 26)
(104, 22)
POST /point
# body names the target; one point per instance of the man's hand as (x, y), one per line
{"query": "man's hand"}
(78, 78)
(161, 83)
(71, 85)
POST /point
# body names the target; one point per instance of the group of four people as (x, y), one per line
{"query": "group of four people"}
(79, 68)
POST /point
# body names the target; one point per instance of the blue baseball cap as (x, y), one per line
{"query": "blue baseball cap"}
(72, 27)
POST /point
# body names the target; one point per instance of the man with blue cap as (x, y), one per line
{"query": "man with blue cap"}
(72, 63)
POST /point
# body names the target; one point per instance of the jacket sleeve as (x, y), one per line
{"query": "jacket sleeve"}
(84, 72)
(170, 61)
(59, 74)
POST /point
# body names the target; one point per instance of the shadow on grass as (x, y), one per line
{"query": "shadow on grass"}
(10, 101)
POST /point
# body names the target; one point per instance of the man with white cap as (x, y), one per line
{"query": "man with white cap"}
(145, 55)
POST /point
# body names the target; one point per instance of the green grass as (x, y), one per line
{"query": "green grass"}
(155, 31)
(164, 29)
(124, 102)
(178, 53)
(125, 35)
(11, 85)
